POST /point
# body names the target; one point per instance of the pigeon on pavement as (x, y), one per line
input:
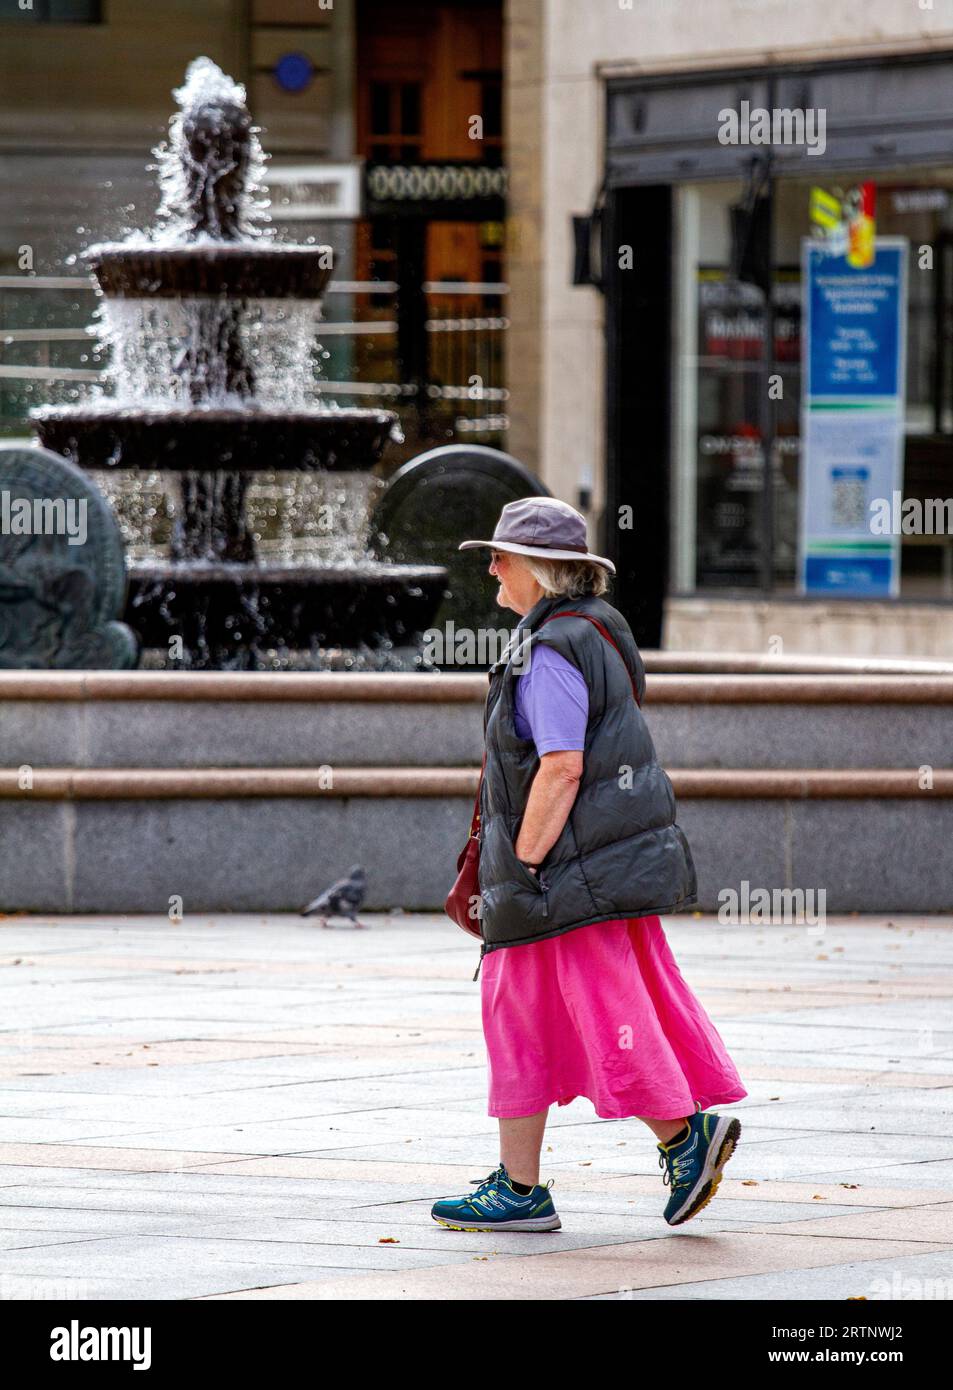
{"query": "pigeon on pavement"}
(342, 899)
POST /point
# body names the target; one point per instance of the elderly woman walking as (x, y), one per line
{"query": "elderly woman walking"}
(579, 852)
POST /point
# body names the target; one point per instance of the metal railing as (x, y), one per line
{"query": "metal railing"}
(462, 383)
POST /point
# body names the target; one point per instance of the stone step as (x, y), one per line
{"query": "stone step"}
(880, 846)
(698, 721)
(122, 791)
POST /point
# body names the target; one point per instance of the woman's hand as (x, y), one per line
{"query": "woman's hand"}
(550, 800)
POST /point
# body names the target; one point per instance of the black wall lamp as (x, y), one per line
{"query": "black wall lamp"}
(751, 229)
(588, 246)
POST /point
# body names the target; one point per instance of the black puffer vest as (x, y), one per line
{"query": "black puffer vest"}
(620, 853)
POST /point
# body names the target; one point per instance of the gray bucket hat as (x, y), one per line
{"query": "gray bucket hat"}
(542, 526)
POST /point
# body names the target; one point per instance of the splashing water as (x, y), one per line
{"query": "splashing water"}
(158, 351)
(211, 166)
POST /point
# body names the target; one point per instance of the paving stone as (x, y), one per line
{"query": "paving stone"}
(119, 1255)
(594, 1269)
(56, 1155)
(920, 1277)
(30, 1238)
(915, 1173)
(926, 1223)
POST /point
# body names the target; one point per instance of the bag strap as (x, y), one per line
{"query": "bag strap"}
(475, 821)
(605, 632)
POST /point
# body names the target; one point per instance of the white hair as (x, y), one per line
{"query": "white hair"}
(567, 578)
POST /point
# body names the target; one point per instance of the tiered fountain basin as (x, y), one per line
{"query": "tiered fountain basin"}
(200, 437)
(201, 431)
(229, 607)
(235, 270)
(285, 607)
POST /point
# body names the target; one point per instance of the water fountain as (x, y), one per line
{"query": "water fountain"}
(211, 324)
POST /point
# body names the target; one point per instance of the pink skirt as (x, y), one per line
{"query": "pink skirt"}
(602, 1011)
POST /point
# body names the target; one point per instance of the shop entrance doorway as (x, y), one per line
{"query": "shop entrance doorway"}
(637, 272)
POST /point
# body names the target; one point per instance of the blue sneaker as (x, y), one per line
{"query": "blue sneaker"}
(496, 1206)
(693, 1167)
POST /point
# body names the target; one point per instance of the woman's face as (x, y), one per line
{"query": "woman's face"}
(518, 590)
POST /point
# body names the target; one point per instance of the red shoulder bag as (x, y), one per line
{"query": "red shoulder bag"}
(463, 900)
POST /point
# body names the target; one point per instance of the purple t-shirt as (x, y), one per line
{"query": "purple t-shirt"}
(552, 703)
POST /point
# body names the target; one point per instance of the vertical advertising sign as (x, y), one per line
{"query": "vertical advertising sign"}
(852, 426)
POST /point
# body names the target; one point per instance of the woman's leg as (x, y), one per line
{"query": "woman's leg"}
(664, 1130)
(521, 1140)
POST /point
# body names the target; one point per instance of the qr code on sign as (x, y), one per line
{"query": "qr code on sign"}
(849, 503)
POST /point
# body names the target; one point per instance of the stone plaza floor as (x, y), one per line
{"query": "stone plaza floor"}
(252, 1107)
